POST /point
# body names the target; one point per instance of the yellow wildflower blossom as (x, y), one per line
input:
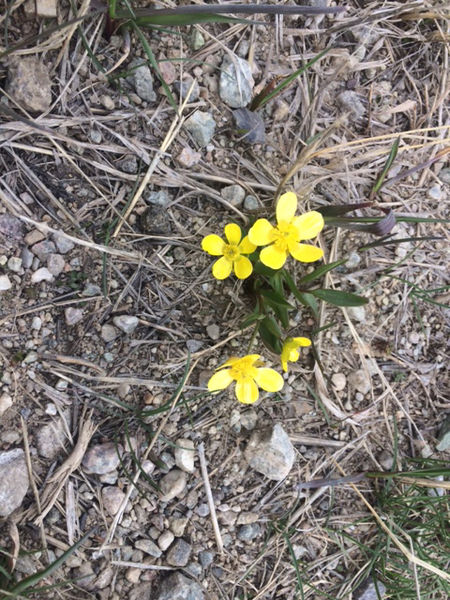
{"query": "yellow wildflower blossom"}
(285, 237)
(248, 375)
(290, 351)
(231, 253)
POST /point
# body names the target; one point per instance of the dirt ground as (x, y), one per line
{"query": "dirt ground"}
(111, 322)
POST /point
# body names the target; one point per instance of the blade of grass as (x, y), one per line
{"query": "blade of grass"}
(385, 171)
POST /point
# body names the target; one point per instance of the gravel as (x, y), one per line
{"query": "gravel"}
(271, 452)
(236, 82)
(13, 480)
(201, 126)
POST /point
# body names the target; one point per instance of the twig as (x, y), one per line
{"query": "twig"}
(212, 508)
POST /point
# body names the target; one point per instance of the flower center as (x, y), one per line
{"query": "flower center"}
(231, 252)
(243, 370)
(283, 234)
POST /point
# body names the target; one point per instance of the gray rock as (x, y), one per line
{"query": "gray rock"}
(194, 569)
(202, 510)
(178, 525)
(213, 331)
(178, 587)
(148, 547)
(350, 101)
(73, 315)
(358, 313)
(370, 591)
(353, 260)
(142, 81)
(56, 264)
(339, 381)
(13, 480)
(206, 558)
(234, 194)
(50, 439)
(112, 497)
(251, 203)
(444, 175)
(62, 243)
(5, 402)
(159, 198)
(43, 249)
(182, 88)
(129, 165)
(196, 39)
(249, 125)
(188, 157)
(194, 345)
(91, 289)
(360, 381)
(249, 532)
(42, 274)
(33, 237)
(248, 419)
(5, 283)
(101, 459)
(386, 460)
(444, 435)
(435, 192)
(201, 126)
(172, 485)
(27, 258)
(108, 333)
(184, 455)
(165, 539)
(271, 453)
(95, 136)
(236, 82)
(11, 231)
(29, 83)
(247, 518)
(179, 553)
(126, 323)
(15, 264)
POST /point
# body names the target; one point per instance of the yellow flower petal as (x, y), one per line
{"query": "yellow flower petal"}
(304, 252)
(294, 355)
(272, 257)
(222, 268)
(242, 267)
(247, 391)
(261, 233)
(213, 244)
(302, 341)
(229, 363)
(286, 207)
(233, 233)
(220, 380)
(309, 225)
(284, 363)
(269, 380)
(246, 247)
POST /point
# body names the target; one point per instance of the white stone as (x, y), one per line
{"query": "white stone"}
(5, 403)
(42, 274)
(126, 323)
(73, 315)
(5, 283)
(184, 455)
(15, 264)
(172, 485)
(339, 381)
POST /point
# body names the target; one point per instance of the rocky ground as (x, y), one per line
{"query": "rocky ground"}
(111, 322)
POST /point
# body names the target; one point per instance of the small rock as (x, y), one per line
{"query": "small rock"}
(358, 313)
(172, 485)
(36, 323)
(133, 574)
(414, 337)
(159, 198)
(248, 419)
(47, 8)
(194, 569)
(112, 499)
(370, 591)
(339, 381)
(249, 125)
(444, 175)
(188, 157)
(299, 551)
(108, 333)
(178, 587)
(182, 89)
(234, 194)
(33, 237)
(206, 558)
(196, 39)
(15, 264)
(213, 331)
(95, 136)
(148, 547)
(360, 381)
(109, 478)
(271, 452)
(129, 165)
(91, 289)
(50, 439)
(179, 553)
(435, 192)
(29, 83)
(350, 101)
(107, 102)
(202, 510)
(247, 518)
(42, 274)
(104, 578)
(11, 231)
(236, 82)
(13, 480)
(194, 345)
(249, 532)
(31, 357)
(63, 244)
(5, 283)
(73, 315)
(251, 203)
(51, 409)
(43, 249)
(165, 539)
(5, 403)
(178, 525)
(167, 70)
(56, 264)
(444, 435)
(184, 455)
(101, 459)
(201, 126)
(353, 260)
(27, 258)
(142, 81)
(386, 460)
(126, 323)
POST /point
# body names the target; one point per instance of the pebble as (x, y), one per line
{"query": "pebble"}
(167, 70)
(15, 264)
(56, 264)
(444, 175)
(360, 381)
(339, 381)
(50, 439)
(271, 452)
(63, 244)
(386, 460)
(43, 249)
(107, 102)
(435, 192)
(132, 575)
(5, 403)
(11, 230)
(73, 315)
(129, 165)
(188, 157)
(247, 533)
(159, 198)
(5, 283)
(108, 333)
(194, 345)
(112, 497)
(358, 313)
(51, 409)
(172, 485)
(194, 569)
(233, 194)
(29, 83)
(370, 591)
(33, 237)
(148, 547)
(27, 258)
(109, 478)
(184, 455)
(249, 125)
(13, 480)
(251, 203)
(142, 81)
(299, 551)
(248, 419)
(201, 126)
(202, 510)
(42, 274)
(91, 289)
(178, 587)
(31, 357)
(206, 558)
(165, 539)
(95, 136)
(47, 8)
(179, 553)
(353, 260)
(182, 89)
(247, 518)
(350, 101)
(196, 39)
(444, 435)
(101, 458)
(213, 331)
(236, 82)
(126, 323)
(178, 525)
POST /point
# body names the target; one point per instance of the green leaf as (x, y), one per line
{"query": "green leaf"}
(270, 334)
(339, 298)
(321, 271)
(251, 318)
(261, 269)
(308, 300)
(275, 298)
(282, 314)
(387, 166)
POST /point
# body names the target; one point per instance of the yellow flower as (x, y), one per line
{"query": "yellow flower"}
(285, 237)
(230, 253)
(248, 375)
(290, 350)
